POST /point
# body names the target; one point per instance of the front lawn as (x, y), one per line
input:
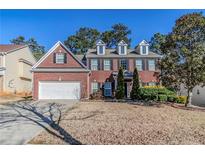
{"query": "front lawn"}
(121, 123)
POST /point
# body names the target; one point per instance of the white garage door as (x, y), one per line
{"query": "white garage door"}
(59, 90)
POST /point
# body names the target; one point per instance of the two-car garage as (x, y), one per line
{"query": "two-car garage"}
(59, 90)
(59, 75)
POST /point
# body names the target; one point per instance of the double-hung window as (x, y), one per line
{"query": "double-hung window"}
(60, 58)
(107, 89)
(107, 64)
(94, 86)
(122, 50)
(94, 64)
(101, 49)
(139, 64)
(123, 64)
(151, 65)
(144, 49)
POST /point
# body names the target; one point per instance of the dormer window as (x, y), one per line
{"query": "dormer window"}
(100, 47)
(144, 48)
(101, 51)
(122, 48)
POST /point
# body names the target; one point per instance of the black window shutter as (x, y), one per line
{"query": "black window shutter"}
(111, 64)
(65, 57)
(54, 58)
(102, 63)
(99, 64)
(127, 64)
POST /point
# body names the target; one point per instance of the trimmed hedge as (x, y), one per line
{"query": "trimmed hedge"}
(162, 94)
(162, 98)
(171, 98)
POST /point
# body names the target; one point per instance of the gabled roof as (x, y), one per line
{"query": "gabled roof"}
(10, 47)
(100, 42)
(143, 42)
(112, 53)
(122, 42)
(52, 50)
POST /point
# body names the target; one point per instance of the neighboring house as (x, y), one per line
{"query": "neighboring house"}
(198, 95)
(16, 62)
(61, 75)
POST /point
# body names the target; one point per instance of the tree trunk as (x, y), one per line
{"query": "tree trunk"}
(189, 98)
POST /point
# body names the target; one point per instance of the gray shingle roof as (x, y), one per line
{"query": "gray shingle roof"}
(112, 53)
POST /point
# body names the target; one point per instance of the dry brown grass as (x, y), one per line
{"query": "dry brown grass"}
(117, 123)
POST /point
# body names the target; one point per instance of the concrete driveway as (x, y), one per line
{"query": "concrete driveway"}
(21, 121)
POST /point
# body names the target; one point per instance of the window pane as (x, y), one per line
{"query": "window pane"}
(94, 64)
(59, 58)
(139, 64)
(123, 64)
(94, 87)
(101, 49)
(151, 65)
(122, 50)
(144, 49)
(106, 64)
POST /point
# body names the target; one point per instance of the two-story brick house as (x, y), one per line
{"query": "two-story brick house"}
(60, 74)
(104, 65)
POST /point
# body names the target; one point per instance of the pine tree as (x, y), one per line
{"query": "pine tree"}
(120, 92)
(135, 86)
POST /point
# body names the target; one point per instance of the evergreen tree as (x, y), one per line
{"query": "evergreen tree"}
(37, 50)
(135, 86)
(183, 51)
(120, 92)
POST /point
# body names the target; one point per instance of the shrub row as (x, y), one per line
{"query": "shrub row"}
(161, 94)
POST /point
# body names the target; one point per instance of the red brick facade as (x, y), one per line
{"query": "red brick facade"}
(85, 77)
(146, 76)
(71, 62)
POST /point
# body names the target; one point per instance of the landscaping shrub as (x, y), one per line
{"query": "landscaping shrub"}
(97, 95)
(120, 92)
(181, 99)
(171, 98)
(152, 93)
(134, 94)
(162, 98)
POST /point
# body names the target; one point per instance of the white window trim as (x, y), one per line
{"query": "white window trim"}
(149, 68)
(94, 65)
(138, 65)
(93, 88)
(104, 64)
(141, 49)
(120, 49)
(59, 59)
(127, 65)
(98, 49)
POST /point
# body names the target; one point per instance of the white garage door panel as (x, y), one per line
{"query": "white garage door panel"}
(59, 90)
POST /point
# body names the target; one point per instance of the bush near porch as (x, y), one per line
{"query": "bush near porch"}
(160, 93)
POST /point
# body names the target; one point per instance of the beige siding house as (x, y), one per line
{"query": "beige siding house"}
(16, 62)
